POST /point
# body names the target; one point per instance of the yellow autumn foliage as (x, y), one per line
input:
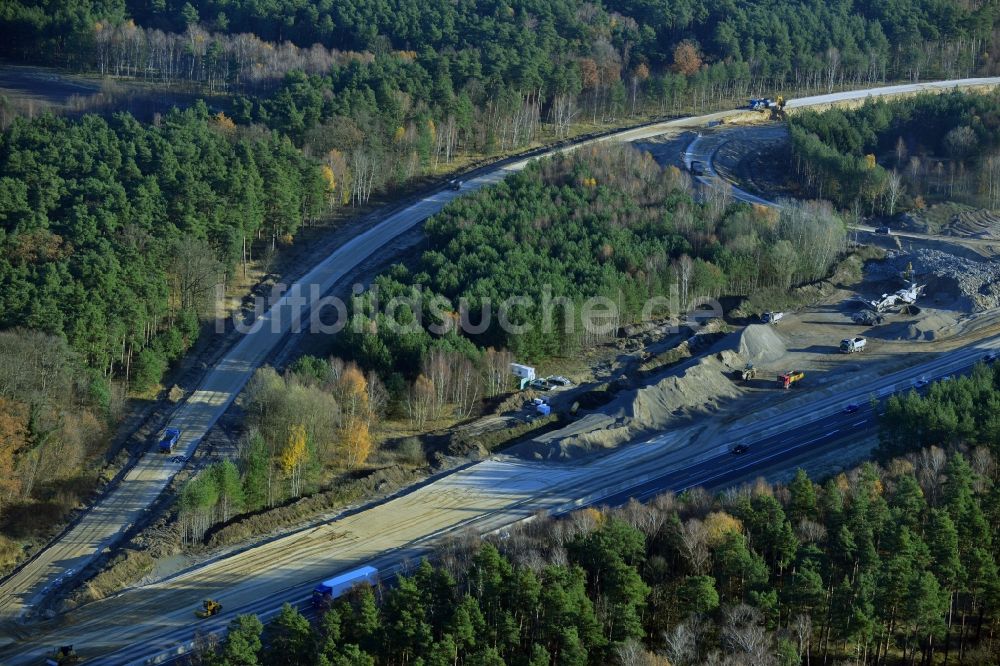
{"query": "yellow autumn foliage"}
(294, 453)
(718, 525)
(224, 122)
(329, 178)
(357, 442)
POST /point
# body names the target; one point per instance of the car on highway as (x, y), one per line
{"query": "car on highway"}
(455, 184)
(884, 230)
(922, 382)
(990, 357)
(740, 449)
(852, 408)
(697, 168)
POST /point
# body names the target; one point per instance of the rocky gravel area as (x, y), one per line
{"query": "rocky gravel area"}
(977, 281)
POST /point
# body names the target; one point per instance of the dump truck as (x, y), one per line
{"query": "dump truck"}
(209, 607)
(329, 590)
(786, 379)
(852, 345)
(169, 439)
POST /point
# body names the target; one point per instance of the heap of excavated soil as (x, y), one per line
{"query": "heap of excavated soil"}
(700, 385)
(760, 344)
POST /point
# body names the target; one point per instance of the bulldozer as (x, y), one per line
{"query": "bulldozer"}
(209, 608)
(64, 656)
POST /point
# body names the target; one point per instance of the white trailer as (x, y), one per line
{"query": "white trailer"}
(333, 588)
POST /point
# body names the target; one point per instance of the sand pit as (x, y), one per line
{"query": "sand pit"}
(700, 385)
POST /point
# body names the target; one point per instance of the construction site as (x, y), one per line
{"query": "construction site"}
(658, 395)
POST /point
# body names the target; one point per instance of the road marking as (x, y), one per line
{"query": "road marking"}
(860, 422)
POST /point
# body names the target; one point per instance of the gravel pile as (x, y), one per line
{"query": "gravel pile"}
(978, 281)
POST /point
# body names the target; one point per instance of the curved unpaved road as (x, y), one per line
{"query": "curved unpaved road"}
(108, 520)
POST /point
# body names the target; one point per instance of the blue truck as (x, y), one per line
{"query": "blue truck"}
(329, 590)
(170, 437)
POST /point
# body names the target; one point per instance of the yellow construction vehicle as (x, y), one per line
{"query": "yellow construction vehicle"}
(209, 608)
(64, 656)
(747, 373)
(778, 108)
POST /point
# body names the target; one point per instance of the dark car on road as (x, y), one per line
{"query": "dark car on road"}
(740, 449)
(884, 230)
(697, 168)
(454, 184)
(851, 408)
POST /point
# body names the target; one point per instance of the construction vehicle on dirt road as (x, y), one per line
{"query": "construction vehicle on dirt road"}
(64, 656)
(765, 104)
(852, 345)
(786, 379)
(209, 607)
(771, 317)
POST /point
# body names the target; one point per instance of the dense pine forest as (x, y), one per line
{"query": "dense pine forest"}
(882, 565)
(115, 233)
(604, 222)
(385, 92)
(884, 157)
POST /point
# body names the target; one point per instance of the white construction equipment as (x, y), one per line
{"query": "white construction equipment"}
(525, 372)
(852, 345)
(908, 295)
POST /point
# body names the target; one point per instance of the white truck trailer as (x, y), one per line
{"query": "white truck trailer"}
(329, 590)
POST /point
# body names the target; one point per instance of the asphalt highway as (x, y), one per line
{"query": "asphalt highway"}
(486, 496)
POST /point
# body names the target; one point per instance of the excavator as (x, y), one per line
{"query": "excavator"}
(209, 608)
(765, 104)
(778, 109)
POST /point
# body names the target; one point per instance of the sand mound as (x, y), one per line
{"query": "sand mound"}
(698, 386)
(760, 344)
(928, 327)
